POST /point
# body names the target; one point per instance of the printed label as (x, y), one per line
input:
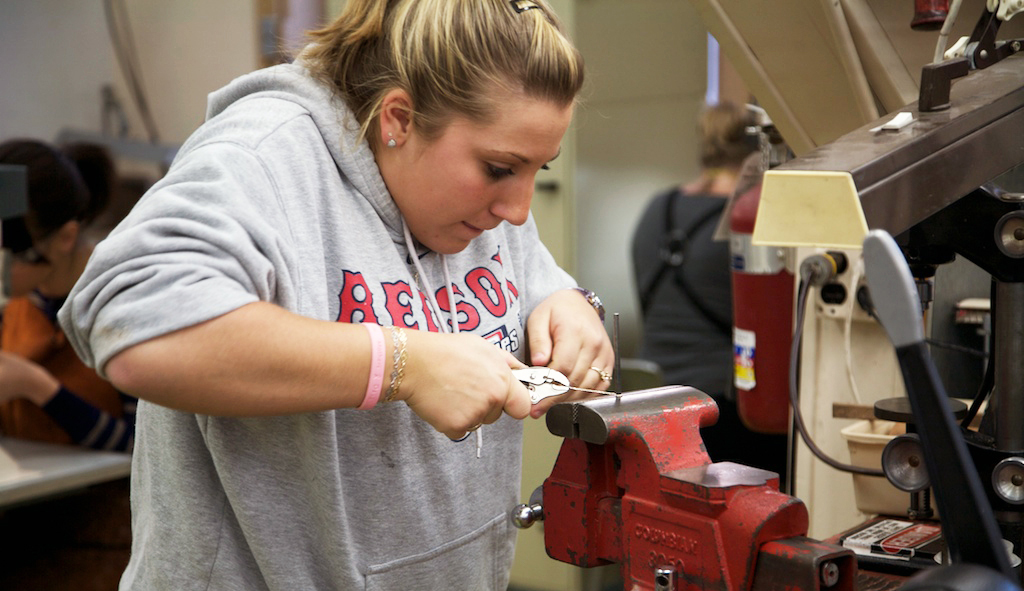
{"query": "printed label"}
(897, 539)
(908, 540)
(744, 344)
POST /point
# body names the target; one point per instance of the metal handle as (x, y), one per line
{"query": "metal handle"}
(526, 514)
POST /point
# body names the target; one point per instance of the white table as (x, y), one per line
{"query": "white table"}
(31, 470)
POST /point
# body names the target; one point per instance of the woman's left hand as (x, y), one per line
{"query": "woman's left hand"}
(567, 335)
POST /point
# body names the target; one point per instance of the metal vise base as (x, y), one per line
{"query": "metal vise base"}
(634, 485)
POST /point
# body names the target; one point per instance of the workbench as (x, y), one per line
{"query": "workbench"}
(31, 471)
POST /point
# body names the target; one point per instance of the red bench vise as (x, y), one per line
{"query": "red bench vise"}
(633, 485)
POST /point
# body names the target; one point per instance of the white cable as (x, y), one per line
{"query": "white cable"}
(856, 272)
(423, 277)
(947, 25)
(454, 313)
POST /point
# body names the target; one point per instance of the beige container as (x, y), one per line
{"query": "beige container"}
(874, 494)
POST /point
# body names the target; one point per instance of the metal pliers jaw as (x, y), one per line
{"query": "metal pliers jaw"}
(542, 382)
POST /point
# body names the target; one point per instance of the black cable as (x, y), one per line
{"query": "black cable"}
(957, 348)
(129, 68)
(794, 396)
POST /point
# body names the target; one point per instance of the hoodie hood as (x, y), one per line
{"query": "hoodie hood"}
(339, 127)
(332, 117)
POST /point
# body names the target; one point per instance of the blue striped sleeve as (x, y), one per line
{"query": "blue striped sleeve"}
(91, 427)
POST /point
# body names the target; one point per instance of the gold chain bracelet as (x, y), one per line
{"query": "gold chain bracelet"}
(399, 357)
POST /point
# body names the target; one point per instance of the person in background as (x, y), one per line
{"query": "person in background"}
(82, 539)
(329, 291)
(684, 285)
(47, 393)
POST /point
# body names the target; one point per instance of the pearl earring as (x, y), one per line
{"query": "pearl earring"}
(391, 141)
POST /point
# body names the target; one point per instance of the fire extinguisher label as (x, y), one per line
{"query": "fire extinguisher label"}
(756, 259)
(744, 343)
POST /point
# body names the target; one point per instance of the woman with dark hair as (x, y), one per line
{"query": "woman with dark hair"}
(46, 392)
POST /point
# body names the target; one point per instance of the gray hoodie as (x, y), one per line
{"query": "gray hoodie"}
(273, 200)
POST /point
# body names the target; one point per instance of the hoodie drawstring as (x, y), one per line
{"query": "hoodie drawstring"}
(453, 310)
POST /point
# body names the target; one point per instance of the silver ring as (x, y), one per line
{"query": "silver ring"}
(605, 376)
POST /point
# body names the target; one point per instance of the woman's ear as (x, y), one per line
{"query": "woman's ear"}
(395, 118)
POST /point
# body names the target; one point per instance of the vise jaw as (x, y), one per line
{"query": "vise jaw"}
(633, 485)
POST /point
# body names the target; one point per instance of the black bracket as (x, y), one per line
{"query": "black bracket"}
(936, 80)
(981, 52)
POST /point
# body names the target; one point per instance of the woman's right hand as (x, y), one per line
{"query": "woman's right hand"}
(21, 378)
(459, 382)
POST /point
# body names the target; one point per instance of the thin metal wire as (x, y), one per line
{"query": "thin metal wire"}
(592, 391)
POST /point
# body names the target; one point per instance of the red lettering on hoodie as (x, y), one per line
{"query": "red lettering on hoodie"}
(487, 289)
(469, 318)
(399, 300)
(356, 299)
(508, 283)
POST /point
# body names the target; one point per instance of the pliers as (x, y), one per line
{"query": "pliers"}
(542, 382)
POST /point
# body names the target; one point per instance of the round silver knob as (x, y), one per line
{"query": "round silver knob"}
(525, 515)
(1008, 480)
(903, 463)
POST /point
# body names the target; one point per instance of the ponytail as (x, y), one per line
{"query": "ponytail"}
(96, 167)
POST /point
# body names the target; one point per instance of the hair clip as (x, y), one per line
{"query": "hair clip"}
(523, 5)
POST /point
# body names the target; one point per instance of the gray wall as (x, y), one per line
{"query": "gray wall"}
(646, 68)
(57, 56)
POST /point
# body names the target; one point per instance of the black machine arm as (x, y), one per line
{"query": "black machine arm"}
(968, 524)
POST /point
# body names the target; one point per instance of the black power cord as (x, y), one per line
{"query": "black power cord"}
(815, 270)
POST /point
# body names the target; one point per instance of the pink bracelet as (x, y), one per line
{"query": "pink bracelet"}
(376, 366)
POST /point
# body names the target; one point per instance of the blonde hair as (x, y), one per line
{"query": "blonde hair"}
(448, 55)
(724, 139)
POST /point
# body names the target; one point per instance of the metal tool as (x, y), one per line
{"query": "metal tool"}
(634, 485)
(544, 382)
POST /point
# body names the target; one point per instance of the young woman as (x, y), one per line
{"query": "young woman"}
(285, 440)
(46, 393)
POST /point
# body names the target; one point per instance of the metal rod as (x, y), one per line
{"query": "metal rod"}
(618, 359)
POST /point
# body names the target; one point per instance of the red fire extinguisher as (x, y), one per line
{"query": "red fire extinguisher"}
(929, 15)
(762, 291)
